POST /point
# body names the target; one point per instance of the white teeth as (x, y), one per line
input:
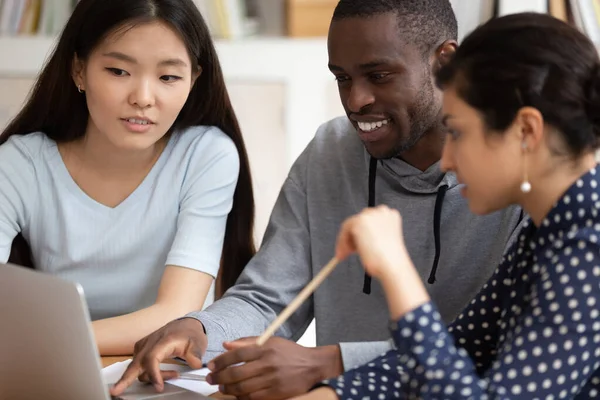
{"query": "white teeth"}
(137, 121)
(371, 126)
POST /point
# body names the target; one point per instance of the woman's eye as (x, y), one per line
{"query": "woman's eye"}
(170, 78)
(117, 71)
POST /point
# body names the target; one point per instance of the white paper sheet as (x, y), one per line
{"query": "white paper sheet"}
(113, 373)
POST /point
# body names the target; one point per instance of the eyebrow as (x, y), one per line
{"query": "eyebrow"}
(365, 66)
(176, 62)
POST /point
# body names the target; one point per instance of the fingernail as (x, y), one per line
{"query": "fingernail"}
(211, 366)
(209, 379)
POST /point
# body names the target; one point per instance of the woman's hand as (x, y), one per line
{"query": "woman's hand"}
(376, 235)
(322, 393)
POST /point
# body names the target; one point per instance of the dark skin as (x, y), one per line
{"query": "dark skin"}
(380, 77)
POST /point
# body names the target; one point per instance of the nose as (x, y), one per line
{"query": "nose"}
(447, 162)
(142, 94)
(360, 97)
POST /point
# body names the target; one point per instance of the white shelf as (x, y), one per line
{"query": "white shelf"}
(271, 59)
(299, 64)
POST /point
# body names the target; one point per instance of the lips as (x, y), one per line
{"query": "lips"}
(372, 126)
(370, 132)
(137, 125)
(138, 120)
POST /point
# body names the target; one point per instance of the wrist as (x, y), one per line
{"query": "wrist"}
(403, 288)
(329, 362)
(404, 295)
(186, 318)
(391, 265)
(392, 278)
(324, 393)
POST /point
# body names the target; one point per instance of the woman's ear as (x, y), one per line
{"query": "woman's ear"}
(195, 75)
(530, 127)
(78, 72)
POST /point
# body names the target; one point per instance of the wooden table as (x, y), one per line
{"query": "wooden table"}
(106, 361)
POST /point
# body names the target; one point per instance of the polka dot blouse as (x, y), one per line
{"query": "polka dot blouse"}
(533, 332)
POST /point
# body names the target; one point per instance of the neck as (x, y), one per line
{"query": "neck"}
(426, 152)
(548, 188)
(99, 154)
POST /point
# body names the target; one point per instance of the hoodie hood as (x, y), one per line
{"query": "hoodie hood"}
(412, 180)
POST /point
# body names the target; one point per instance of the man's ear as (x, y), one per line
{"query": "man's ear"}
(444, 53)
(78, 72)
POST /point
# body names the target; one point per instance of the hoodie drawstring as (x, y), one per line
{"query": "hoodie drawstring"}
(437, 214)
(371, 203)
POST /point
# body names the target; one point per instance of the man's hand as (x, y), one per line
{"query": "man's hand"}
(277, 370)
(182, 338)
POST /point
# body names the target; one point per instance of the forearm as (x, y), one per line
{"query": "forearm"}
(404, 289)
(322, 393)
(118, 335)
(246, 312)
(228, 319)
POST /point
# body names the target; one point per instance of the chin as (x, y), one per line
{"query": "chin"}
(380, 155)
(136, 142)
(482, 208)
(477, 209)
(380, 150)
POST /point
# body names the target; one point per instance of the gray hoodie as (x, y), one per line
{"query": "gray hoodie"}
(333, 179)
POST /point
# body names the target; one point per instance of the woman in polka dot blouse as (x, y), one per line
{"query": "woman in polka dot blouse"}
(522, 107)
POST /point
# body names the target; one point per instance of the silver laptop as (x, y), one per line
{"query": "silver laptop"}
(47, 348)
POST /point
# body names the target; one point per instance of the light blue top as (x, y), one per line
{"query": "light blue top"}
(176, 216)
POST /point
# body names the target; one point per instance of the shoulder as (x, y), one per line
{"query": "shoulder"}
(22, 155)
(25, 147)
(204, 150)
(22, 168)
(337, 136)
(335, 146)
(203, 141)
(574, 253)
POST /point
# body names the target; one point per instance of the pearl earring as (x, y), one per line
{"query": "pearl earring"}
(79, 89)
(525, 186)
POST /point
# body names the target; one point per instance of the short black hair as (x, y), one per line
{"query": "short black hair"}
(424, 23)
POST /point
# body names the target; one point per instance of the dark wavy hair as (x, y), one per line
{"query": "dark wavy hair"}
(532, 60)
(57, 109)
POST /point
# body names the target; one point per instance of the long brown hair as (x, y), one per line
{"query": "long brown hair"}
(57, 109)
